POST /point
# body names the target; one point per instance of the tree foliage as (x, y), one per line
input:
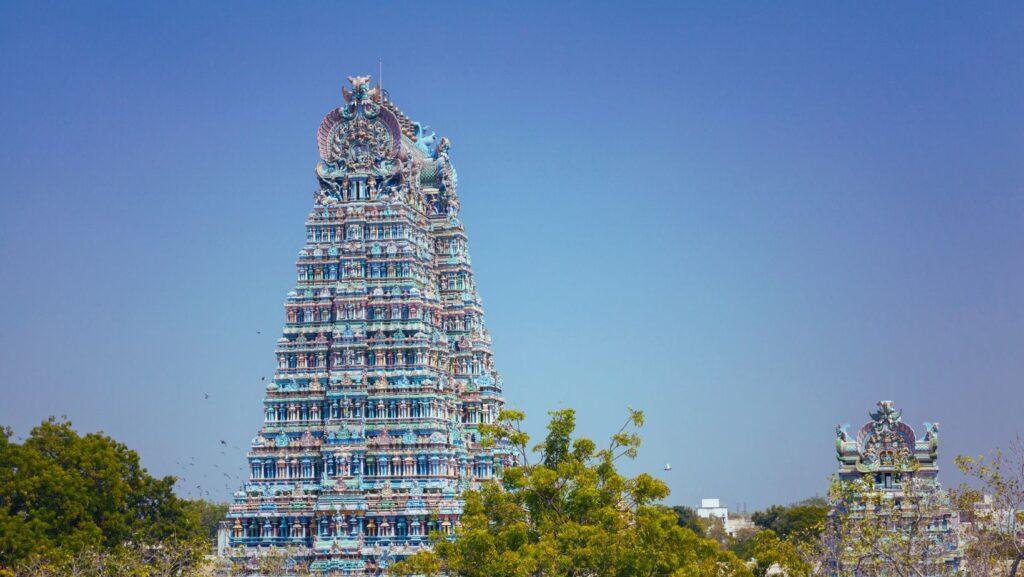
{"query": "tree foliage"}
(571, 513)
(800, 522)
(687, 517)
(872, 533)
(994, 536)
(741, 542)
(179, 558)
(769, 552)
(65, 494)
(208, 515)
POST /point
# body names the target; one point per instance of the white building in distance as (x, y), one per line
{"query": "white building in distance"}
(712, 508)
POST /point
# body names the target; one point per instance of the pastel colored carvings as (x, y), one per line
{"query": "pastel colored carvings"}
(384, 364)
(887, 443)
(887, 463)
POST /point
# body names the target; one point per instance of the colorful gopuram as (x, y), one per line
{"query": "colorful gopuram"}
(893, 465)
(384, 369)
(887, 448)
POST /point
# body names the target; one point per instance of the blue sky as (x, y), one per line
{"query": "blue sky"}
(752, 221)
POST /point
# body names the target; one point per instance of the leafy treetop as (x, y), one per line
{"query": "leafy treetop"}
(571, 513)
(63, 491)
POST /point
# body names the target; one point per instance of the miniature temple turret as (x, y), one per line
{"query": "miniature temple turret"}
(887, 449)
(384, 368)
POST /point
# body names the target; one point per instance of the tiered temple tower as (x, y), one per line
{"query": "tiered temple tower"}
(897, 466)
(384, 370)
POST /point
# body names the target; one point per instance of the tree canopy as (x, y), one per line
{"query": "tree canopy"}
(687, 517)
(65, 492)
(571, 513)
(799, 522)
(994, 535)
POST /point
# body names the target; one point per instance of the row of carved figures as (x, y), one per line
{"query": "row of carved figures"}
(411, 359)
(340, 526)
(354, 409)
(307, 468)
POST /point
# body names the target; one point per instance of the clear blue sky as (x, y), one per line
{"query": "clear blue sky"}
(752, 221)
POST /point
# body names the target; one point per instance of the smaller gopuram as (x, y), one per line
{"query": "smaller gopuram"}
(889, 511)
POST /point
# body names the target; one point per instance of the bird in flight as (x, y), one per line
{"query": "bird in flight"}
(668, 467)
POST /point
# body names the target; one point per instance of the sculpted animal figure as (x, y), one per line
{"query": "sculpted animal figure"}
(425, 140)
(360, 89)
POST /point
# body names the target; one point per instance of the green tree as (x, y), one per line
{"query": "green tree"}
(687, 517)
(994, 537)
(800, 522)
(768, 518)
(769, 551)
(167, 559)
(208, 514)
(66, 492)
(815, 501)
(571, 513)
(741, 542)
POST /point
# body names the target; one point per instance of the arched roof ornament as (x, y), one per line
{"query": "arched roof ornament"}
(361, 136)
(886, 443)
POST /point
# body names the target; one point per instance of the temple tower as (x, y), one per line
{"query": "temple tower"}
(384, 368)
(888, 481)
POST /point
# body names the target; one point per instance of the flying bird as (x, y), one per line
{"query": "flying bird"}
(206, 395)
(668, 467)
